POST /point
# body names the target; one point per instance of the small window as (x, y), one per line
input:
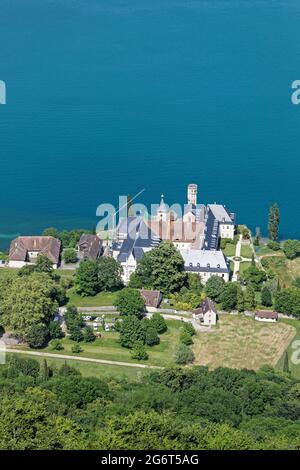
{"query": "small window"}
(208, 265)
(218, 266)
(191, 265)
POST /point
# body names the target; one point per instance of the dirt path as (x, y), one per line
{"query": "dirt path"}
(79, 358)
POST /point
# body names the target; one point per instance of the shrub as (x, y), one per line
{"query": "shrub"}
(188, 328)
(184, 355)
(88, 334)
(55, 330)
(139, 351)
(76, 349)
(186, 338)
(159, 323)
(273, 245)
(56, 345)
(151, 336)
(37, 336)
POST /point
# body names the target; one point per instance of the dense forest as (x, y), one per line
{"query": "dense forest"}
(180, 408)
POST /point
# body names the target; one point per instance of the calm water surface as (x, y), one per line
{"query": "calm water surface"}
(106, 97)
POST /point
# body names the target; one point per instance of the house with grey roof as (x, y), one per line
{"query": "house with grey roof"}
(206, 313)
(206, 263)
(134, 244)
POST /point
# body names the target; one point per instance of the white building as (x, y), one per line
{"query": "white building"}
(206, 263)
(266, 315)
(206, 313)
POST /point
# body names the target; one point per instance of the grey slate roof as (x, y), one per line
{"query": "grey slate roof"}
(138, 241)
(204, 261)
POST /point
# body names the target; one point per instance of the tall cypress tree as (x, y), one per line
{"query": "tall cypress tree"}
(274, 220)
(286, 367)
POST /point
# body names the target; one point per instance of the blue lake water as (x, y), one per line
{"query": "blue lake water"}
(107, 97)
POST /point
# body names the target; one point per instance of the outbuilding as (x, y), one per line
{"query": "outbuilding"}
(266, 315)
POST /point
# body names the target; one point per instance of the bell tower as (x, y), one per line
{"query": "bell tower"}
(192, 192)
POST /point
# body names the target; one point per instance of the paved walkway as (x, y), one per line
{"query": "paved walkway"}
(79, 358)
(236, 264)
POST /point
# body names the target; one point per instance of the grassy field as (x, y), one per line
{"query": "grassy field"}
(246, 251)
(292, 352)
(109, 348)
(286, 270)
(95, 370)
(241, 342)
(103, 299)
(229, 249)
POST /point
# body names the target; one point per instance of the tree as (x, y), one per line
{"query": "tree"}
(109, 273)
(159, 323)
(288, 301)
(139, 352)
(291, 248)
(184, 355)
(27, 302)
(228, 298)
(194, 283)
(88, 334)
(135, 281)
(69, 255)
(286, 367)
(151, 335)
(273, 245)
(86, 278)
(249, 298)
(43, 264)
(55, 330)
(162, 269)
(51, 232)
(266, 296)
(45, 371)
(240, 300)
(130, 302)
(37, 335)
(274, 220)
(214, 287)
(254, 277)
(131, 330)
(76, 333)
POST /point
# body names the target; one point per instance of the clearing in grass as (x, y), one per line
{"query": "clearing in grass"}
(242, 342)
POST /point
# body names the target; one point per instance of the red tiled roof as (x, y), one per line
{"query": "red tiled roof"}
(152, 298)
(48, 246)
(266, 314)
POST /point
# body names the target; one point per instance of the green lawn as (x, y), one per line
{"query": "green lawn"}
(294, 368)
(109, 348)
(95, 370)
(103, 299)
(246, 251)
(229, 249)
(244, 265)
